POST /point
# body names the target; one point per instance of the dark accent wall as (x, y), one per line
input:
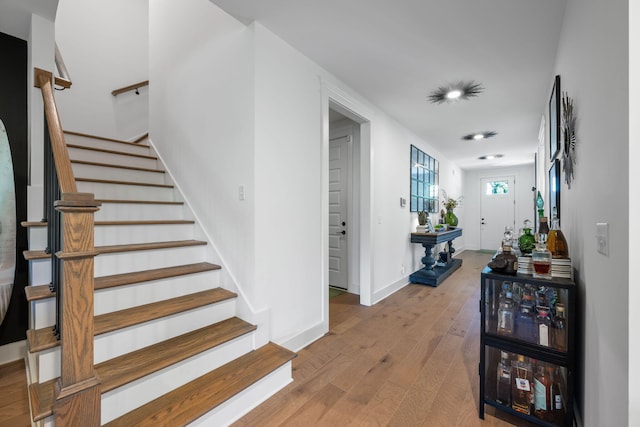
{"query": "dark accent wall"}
(13, 112)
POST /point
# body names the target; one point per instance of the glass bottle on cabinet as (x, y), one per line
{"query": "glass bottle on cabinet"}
(539, 351)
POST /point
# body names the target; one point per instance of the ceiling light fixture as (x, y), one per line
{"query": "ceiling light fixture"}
(479, 135)
(490, 157)
(453, 92)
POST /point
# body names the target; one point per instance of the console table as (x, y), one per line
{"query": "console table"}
(431, 274)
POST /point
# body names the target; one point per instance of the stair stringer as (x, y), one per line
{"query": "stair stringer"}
(244, 309)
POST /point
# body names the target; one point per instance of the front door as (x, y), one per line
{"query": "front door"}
(497, 210)
(338, 211)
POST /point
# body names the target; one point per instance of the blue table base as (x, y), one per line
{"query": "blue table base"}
(436, 275)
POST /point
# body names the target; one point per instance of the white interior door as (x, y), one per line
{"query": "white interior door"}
(497, 210)
(338, 211)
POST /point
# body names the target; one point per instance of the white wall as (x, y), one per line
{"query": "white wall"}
(105, 46)
(634, 206)
(593, 64)
(266, 131)
(201, 123)
(524, 176)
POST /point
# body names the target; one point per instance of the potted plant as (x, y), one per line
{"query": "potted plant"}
(450, 204)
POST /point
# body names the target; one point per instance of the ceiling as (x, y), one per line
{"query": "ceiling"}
(396, 53)
(15, 18)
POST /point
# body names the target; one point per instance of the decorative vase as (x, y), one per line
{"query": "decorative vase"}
(527, 241)
(450, 218)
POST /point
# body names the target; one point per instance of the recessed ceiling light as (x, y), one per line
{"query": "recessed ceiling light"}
(453, 92)
(490, 157)
(479, 135)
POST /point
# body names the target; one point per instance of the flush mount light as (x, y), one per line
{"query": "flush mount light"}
(479, 135)
(453, 92)
(490, 157)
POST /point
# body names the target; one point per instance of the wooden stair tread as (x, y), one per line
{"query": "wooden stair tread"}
(102, 138)
(28, 224)
(111, 165)
(132, 366)
(113, 181)
(42, 291)
(194, 399)
(143, 202)
(42, 339)
(33, 255)
(104, 150)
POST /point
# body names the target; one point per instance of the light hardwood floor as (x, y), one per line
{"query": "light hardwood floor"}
(410, 360)
(14, 402)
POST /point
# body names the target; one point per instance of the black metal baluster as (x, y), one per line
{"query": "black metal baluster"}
(52, 216)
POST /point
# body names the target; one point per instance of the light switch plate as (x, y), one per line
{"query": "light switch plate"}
(602, 238)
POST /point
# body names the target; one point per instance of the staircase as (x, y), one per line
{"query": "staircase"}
(169, 349)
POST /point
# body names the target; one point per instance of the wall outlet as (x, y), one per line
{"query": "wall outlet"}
(602, 238)
(401, 268)
(241, 192)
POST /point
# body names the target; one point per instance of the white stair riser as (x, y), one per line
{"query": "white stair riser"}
(126, 192)
(112, 158)
(37, 238)
(122, 297)
(142, 148)
(126, 262)
(120, 401)
(40, 271)
(81, 170)
(113, 344)
(139, 211)
(240, 404)
(126, 234)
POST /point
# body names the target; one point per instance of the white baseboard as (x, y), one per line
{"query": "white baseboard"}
(13, 351)
(389, 289)
(301, 340)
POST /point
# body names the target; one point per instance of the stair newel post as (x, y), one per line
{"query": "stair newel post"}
(78, 389)
(77, 392)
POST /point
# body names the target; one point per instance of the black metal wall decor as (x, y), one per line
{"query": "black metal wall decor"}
(568, 139)
(554, 120)
(424, 181)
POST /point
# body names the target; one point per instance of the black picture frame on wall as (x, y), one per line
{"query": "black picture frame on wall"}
(554, 188)
(554, 119)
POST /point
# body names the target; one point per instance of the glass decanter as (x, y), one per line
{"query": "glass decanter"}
(556, 243)
(541, 259)
(527, 241)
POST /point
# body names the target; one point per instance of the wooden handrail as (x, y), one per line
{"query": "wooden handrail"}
(135, 86)
(44, 80)
(77, 392)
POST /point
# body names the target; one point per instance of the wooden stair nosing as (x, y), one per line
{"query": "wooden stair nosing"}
(35, 254)
(104, 150)
(110, 165)
(103, 138)
(113, 181)
(194, 399)
(42, 291)
(143, 202)
(42, 339)
(28, 224)
(121, 370)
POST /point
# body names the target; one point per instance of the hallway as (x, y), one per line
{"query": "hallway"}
(411, 360)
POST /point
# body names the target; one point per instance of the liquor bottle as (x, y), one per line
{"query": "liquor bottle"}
(543, 322)
(503, 377)
(543, 227)
(542, 392)
(556, 243)
(507, 252)
(541, 259)
(557, 382)
(521, 385)
(540, 204)
(505, 314)
(525, 327)
(560, 329)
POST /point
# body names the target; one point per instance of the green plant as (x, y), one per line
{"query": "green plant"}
(422, 218)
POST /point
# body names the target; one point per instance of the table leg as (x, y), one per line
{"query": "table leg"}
(428, 260)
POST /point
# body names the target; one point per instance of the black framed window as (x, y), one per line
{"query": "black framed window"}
(425, 175)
